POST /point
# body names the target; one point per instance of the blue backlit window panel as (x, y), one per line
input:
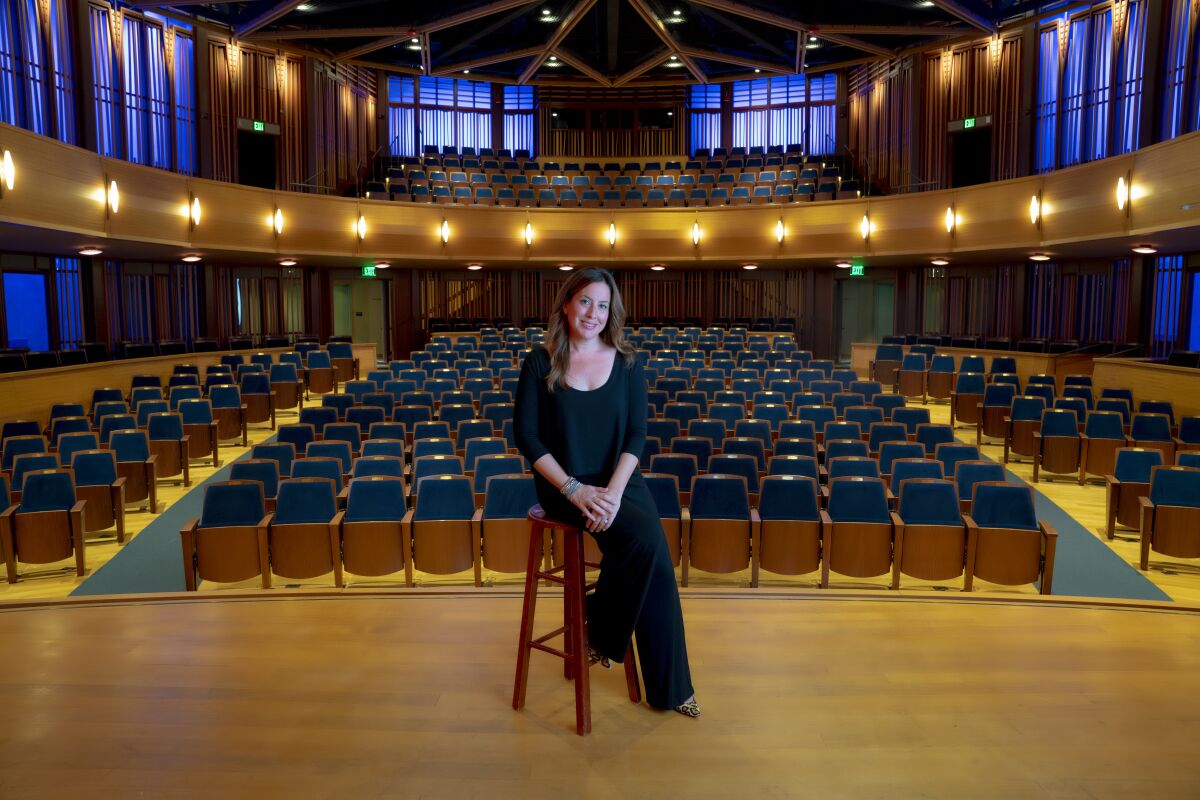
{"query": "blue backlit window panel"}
(1175, 68)
(1129, 82)
(786, 110)
(185, 105)
(104, 83)
(25, 311)
(1046, 125)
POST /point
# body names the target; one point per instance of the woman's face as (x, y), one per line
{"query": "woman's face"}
(587, 311)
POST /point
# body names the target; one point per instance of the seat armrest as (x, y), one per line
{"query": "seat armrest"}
(1048, 530)
(152, 460)
(477, 517)
(338, 519)
(266, 521)
(896, 521)
(190, 526)
(1145, 504)
(119, 483)
(755, 519)
(825, 520)
(970, 523)
(1111, 481)
(78, 507)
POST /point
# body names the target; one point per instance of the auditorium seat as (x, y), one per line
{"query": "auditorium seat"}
(1170, 516)
(444, 526)
(1024, 420)
(1153, 430)
(993, 411)
(940, 379)
(722, 524)
(263, 470)
(931, 534)
(859, 534)
(102, 490)
(787, 539)
(169, 446)
(302, 535)
(372, 540)
(45, 526)
(136, 465)
(1008, 545)
(1057, 443)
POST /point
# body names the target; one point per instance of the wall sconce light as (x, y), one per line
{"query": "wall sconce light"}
(780, 231)
(275, 221)
(8, 173)
(865, 227)
(360, 227)
(1122, 193)
(194, 213)
(444, 231)
(528, 234)
(695, 234)
(112, 199)
(612, 234)
(951, 219)
(1035, 209)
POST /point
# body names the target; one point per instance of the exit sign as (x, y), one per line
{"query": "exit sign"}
(969, 122)
(857, 270)
(368, 271)
(259, 126)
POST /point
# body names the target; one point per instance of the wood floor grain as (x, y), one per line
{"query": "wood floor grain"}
(408, 696)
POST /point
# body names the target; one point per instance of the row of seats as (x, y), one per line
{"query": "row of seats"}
(614, 198)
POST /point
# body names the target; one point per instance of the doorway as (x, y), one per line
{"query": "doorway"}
(256, 159)
(360, 310)
(970, 156)
(866, 312)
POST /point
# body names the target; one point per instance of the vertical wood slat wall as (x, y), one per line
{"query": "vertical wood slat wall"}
(976, 79)
(880, 126)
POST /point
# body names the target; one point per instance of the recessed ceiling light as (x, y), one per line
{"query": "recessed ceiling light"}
(749, 266)
(566, 268)
(1145, 250)
(926, 4)
(554, 113)
(554, 58)
(90, 251)
(474, 267)
(548, 16)
(657, 267)
(939, 262)
(414, 43)
(305, 7)
(673, 64)
(812, 38)
(757, 70)
(676, 13)
(190, 259)
(670, 113)
(812, 45)
(466, 72)
(843, 265)
(1039, 257)
(382, 265)
(288, 262)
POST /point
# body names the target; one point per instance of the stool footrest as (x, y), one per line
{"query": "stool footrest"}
(550, 578)
(554, 651)
(547, 637)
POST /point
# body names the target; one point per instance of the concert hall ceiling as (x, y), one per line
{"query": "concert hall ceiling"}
(605, 42)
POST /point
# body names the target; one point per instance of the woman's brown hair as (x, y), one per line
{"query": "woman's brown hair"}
(558, 338)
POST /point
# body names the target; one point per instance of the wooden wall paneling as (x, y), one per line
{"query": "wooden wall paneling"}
(222, 86)
(991, 215)
(237, 219)
(151, 209)
(53, 180)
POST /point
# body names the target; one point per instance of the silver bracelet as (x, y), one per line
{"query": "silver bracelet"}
(569, 487)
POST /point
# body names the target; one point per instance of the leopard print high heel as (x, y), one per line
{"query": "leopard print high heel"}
(689, 708)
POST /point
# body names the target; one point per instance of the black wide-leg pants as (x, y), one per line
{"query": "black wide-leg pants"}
(636, 593)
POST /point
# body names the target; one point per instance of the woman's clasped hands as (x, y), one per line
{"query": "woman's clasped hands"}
(599, 505)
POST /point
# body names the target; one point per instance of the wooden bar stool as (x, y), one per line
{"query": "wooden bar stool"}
(572, 576)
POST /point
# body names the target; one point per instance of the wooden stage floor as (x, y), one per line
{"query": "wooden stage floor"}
(805, 694)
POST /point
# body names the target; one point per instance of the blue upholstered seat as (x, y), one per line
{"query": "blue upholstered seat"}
(969, 473)
(910, 418)
(232, 504)
(1134, 465)
(889, 452)
(263, 470)
(858, 499)
(1007, 506)
(929, 503)
(788, 497)
(302, 502)
(319, 467)
(904, 469)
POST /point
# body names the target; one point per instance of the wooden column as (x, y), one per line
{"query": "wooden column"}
(1152, 55)
(81, 52)
(1029, 81)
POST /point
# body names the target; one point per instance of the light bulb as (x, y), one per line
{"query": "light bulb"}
(114, 197)
(696, 234)
(528, 234)
(780, 231)
(277, 221)
(1035, 209)
(612, 234)
(444, 231)
(360, 227)
(1122, 193)
(195, 212)
(949, 219)
(864, 227)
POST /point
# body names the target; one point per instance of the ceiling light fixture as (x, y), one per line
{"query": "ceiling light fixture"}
(190, 259)
(474, 267)
(757, 70)
(287, 262)
(382, 265)
(414, 43)
(843, 265)
(466, 72)
(812, 45)
(8, 172)
(90, 251)
(1145, 250)
(1039, 257)
(548, 16)
(657, 267)
(565, 267)
(444, 231)
(750, 266)
(939, 262)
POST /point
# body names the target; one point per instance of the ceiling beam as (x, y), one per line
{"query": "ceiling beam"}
(369, 47)
(495, 7)
(645, 65)
(272, 14)
(565, 26)
(787, 23)
(801, 51)
(724, 58)
(660, 30)
(968, 16)
(733, 25)
(572, 60)
(894, 30)
(486, 30)
(613, 16)
(483, 61)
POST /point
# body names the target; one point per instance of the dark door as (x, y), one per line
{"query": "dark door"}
(971, 154)
(256, 159)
